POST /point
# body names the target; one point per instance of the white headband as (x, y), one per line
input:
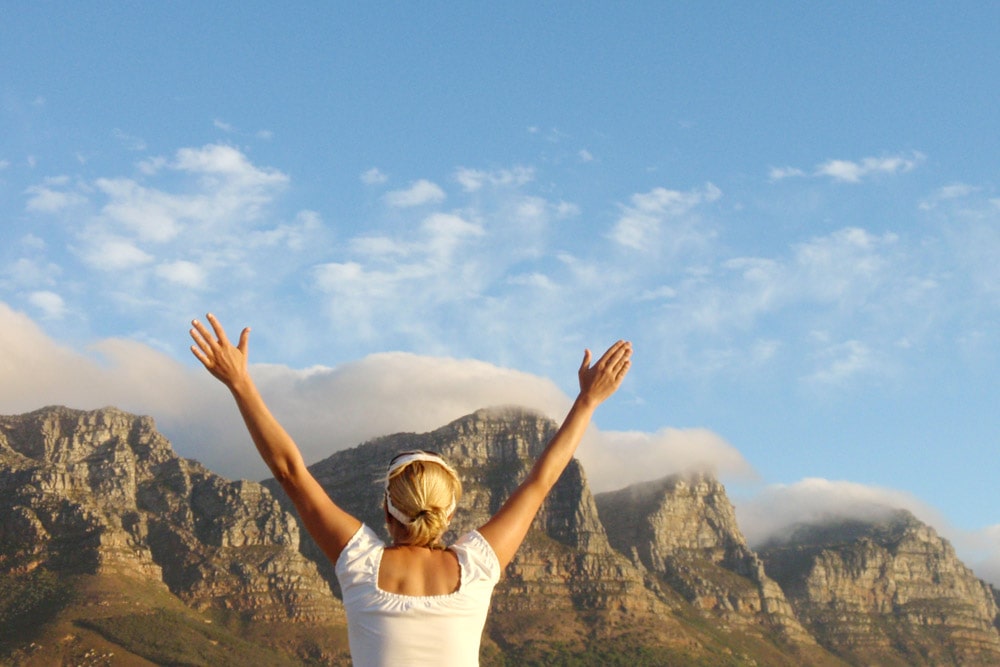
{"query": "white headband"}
(405, 460)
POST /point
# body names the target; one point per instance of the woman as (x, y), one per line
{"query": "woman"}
(414, 602)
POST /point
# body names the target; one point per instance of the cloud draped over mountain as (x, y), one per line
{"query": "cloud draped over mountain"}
(328, 409)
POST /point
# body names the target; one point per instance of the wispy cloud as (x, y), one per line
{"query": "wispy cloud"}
(853, 171)
(50, 304)
(841, 362)
(948, 193)
(771, 513)
(183, 273)
(110, 253)
(778, 508)
(657, 218)
(473, 180)
(129, 141)
(419, 193)
(48, 199)
(373, 176)
(615, 460)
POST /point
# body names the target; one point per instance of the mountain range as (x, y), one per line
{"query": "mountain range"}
(116, 551)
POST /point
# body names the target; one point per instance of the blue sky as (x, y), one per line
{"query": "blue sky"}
(792, 211)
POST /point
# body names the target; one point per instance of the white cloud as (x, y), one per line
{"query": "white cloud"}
(780, 507)
(4, 164)
(224, 126)
(948, 193)
(418, 194)
(853, 172)
(535, 280)
(26, 272)
(446, 232)
(51, 304)
(614, 460)
(295, 236)
(40, 372)
(843, 268)
(777, 509)
(405, 281)
(325, 409)
(842, 362)
(43, 199)
(849, 171)
(109, 253)
(32, 242)
(381, 247)
(129, 141)
(152, 166)
(373, 177)
(150, 214)
(230, 191)
(985, 544)
(781, 173)
(658, 217)
(182, 272)
(222, 160)
(473, 180)
(328, 409)
(585, 155)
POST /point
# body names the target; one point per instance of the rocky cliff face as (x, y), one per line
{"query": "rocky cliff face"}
(891, 592)
(103, 492)
(683, 528)
(659, 572)
(566, 582)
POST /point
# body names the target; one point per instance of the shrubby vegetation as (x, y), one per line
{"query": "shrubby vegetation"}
(28, 600)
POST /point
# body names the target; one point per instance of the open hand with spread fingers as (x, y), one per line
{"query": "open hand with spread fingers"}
(599, 381)
(219, 356)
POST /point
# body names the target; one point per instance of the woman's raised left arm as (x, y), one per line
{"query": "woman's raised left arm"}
(328, 523)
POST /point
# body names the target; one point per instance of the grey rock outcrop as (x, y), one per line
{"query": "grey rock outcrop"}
(103, 492)
(660, 567)
(890, 592)
(684, 529)
(566, 578)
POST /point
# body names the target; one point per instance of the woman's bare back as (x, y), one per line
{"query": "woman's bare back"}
(418, 571)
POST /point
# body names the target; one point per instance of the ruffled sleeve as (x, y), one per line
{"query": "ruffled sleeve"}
(479, 561)
(359, 560)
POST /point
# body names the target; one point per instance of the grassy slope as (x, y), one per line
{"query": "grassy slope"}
(116, 619)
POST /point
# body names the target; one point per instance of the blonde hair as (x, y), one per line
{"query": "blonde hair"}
(421, 491)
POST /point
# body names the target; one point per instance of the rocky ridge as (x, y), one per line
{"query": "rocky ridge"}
(684, 529)
(566, 581)
(893, 592)
(103, 492)
(659, 571)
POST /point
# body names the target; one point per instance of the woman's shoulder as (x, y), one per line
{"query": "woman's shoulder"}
(360, 549)
(477, 556)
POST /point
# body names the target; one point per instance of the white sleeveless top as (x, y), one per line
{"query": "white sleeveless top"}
(393, 630)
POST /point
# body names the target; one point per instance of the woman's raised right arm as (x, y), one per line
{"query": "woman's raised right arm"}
(509, 526)
(328, 523)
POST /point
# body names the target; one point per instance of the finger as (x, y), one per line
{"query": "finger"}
(200, 356)
(614, 352)
(244, 340)
(200, 337)
(586, 360)
(219, 331)
(202, 331)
